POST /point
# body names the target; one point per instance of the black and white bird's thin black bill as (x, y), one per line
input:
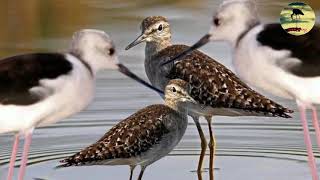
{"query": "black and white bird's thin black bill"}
(204, 40)
(123, 69)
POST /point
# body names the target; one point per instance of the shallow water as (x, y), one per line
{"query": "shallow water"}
(248, 148)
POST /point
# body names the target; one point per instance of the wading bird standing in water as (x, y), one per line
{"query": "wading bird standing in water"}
(43, 88)
(144, 137)
(297, 13)
(267, 57)
(218, 91)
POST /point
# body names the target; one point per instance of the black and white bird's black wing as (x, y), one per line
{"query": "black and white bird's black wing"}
(128, 139)
(304, 56)
(20, 76)
(212, 84)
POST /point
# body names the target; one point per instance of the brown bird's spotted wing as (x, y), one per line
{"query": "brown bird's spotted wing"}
(215, 85)
(129, 138)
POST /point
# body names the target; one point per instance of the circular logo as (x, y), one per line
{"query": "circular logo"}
(297, 18)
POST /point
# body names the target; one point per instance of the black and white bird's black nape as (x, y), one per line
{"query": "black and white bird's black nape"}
(42, 88)
(144, 137)
(267, 57)
(217, 90)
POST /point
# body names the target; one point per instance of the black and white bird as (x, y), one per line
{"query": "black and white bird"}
(218, 91)
(267, 57)
(43, 88)
(144, 137)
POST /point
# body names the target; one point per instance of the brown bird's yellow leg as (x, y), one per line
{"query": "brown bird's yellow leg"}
(203, 147)
(141, 172)
(131, 171)
(212, 147)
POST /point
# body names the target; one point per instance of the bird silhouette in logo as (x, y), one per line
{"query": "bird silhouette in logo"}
(297, 13)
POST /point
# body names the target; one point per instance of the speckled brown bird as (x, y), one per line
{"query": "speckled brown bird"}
(144, 137)
(217, 90)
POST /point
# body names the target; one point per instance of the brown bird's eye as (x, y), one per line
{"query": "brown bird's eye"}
(160, 27)
(216, 21)
(174, 89)
(111, 51)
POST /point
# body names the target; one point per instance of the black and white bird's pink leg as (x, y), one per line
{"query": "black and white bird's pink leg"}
(307, 139)
(27, 143)
(316, 124)
(13, 156)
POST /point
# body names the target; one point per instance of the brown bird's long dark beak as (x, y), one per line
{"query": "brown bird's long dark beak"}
(204, 40)
(139, 40)
(123, 69)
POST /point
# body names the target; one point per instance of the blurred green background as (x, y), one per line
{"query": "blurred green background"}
(25, 21)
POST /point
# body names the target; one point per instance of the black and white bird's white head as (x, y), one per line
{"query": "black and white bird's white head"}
(96, 48)
(178, 90)
(155, 29)
(233, 18)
